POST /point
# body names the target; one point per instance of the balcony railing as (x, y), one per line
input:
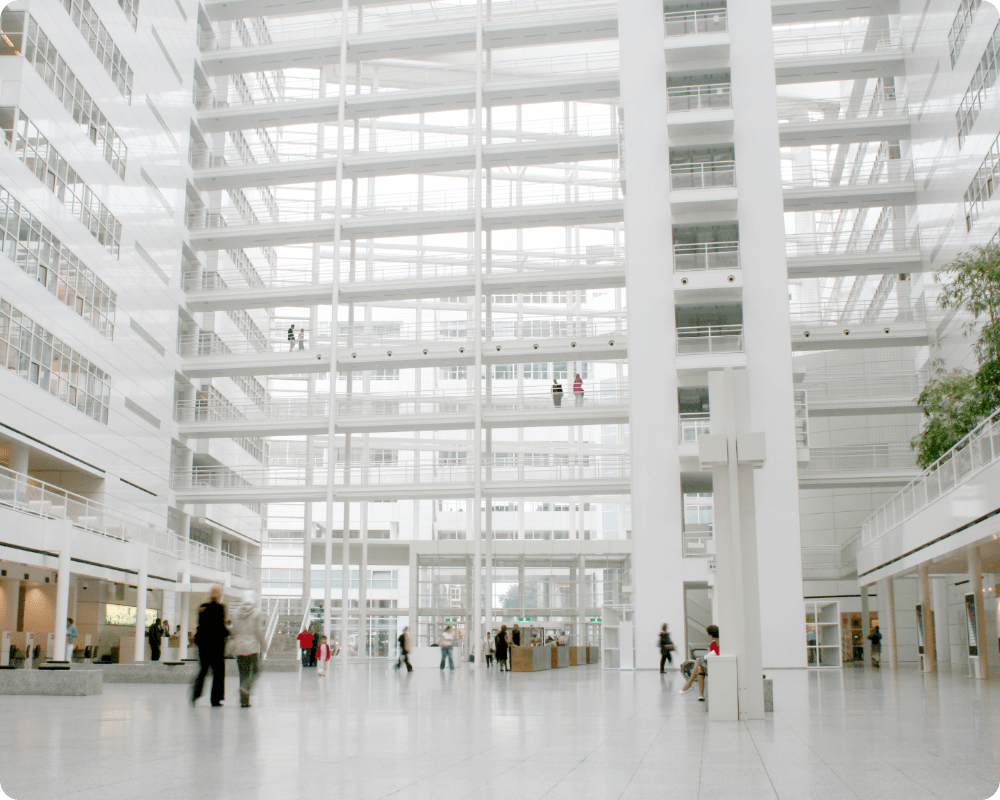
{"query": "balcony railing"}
(699, 97)
(691, 426)
(528, 468)
(695, 539)
(208, 343)
(836, 44)
(37, 498)
(702, 175)
(976, 450)
(877, 173)
(709, 339)
(687, 23)
(832, 109)
(706, 255)
(876, 458)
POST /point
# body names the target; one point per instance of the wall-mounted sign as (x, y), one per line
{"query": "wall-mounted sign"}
(125, 615)
(971, 624)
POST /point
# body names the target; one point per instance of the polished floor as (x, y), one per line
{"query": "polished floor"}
(369, 732)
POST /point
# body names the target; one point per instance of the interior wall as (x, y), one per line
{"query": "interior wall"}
(906, 597)
(39, 609)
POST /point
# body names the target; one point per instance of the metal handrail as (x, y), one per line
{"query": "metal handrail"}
(706, 339)
(706, 255)
(702, 20)
(272, 626)
(976, 450)
(702, 175)
(699, 96)
(28, 495)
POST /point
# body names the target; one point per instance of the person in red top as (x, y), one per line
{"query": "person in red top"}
(578, 389)
(305, 642)
(699, 670)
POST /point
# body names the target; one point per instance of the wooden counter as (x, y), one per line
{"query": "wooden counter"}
(560, 656)
(530, 659)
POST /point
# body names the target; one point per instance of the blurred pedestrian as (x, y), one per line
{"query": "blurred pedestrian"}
(500, 641)
(248, 642)
(71, 635)
(578, 389)
(557, 393)
(404, 650)
(666, 645)
(210, 637)
(322, 656)
(305, 639)
(291, 337)
(447, 641)
(155, 634)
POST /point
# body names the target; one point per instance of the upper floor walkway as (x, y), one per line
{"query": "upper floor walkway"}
(950, 505)
(103, 534)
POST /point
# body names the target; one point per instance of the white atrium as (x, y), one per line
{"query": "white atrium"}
(580, 315)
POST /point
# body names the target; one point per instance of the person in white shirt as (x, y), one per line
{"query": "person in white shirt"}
(488, 649)
(447, 640)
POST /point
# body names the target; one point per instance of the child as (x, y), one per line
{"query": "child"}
(322, 656)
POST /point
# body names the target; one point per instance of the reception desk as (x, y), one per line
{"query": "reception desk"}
(550, 656)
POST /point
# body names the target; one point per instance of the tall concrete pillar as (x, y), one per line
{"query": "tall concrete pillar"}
(942, 636)
(927, 612)
(865, 625)
(976, 590)
(62, 588)
(142, 588)
(887, 621)
(414, 595)
(363, 587)
(182, 652)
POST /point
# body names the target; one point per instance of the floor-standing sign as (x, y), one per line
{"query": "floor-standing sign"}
(971, 623)
(920, 636)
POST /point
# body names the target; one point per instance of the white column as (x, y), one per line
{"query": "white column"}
(475, 606)
(976, 589)
(656, 498)
(363, 586)
(927, 613)
(728, 450)
(942, 636)
(331, 431)
(345, 563)
(581, 598)
(887, 621)
(182, 652)
(866, 645)
(142, 586)
(62, 588)
(414, 595)
(767, 326)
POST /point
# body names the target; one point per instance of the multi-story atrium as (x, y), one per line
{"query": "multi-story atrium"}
(437, 318)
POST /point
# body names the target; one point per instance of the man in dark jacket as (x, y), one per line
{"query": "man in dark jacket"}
(211, 638)
(155, 634)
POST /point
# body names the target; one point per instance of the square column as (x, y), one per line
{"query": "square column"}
(887, 621)
(927, 618)
(976, 590)
(866, 645)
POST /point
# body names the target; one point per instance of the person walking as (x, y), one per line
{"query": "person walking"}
(155, 634)
(404, 650)
(322, 656)
(875, 637)
(666, 645)
(700, 669)
(305, 639)
(291, 337)
(71, 635)
(501, 647)
(515, 636)
(447, 640)
(248, 642)
(578, 389)
(489, 649)
(557, 393)
(210, 637)
(302, 338)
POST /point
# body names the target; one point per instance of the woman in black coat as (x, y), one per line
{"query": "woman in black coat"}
(500, 641)
(211, 638)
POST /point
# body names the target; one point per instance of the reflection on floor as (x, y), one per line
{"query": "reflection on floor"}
(370, 732)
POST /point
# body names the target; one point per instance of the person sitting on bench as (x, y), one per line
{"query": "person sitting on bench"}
(700, 670)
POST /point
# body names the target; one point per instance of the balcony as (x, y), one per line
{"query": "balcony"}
(884, 248)
(697, 540)
(703, 186)
(838, 56)
(944, 509)
(882, 182)
(696, 33)
(698, 109)
(692, 425)
(706, 256)
(701, 340)
(835, 120)
(858, 466)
